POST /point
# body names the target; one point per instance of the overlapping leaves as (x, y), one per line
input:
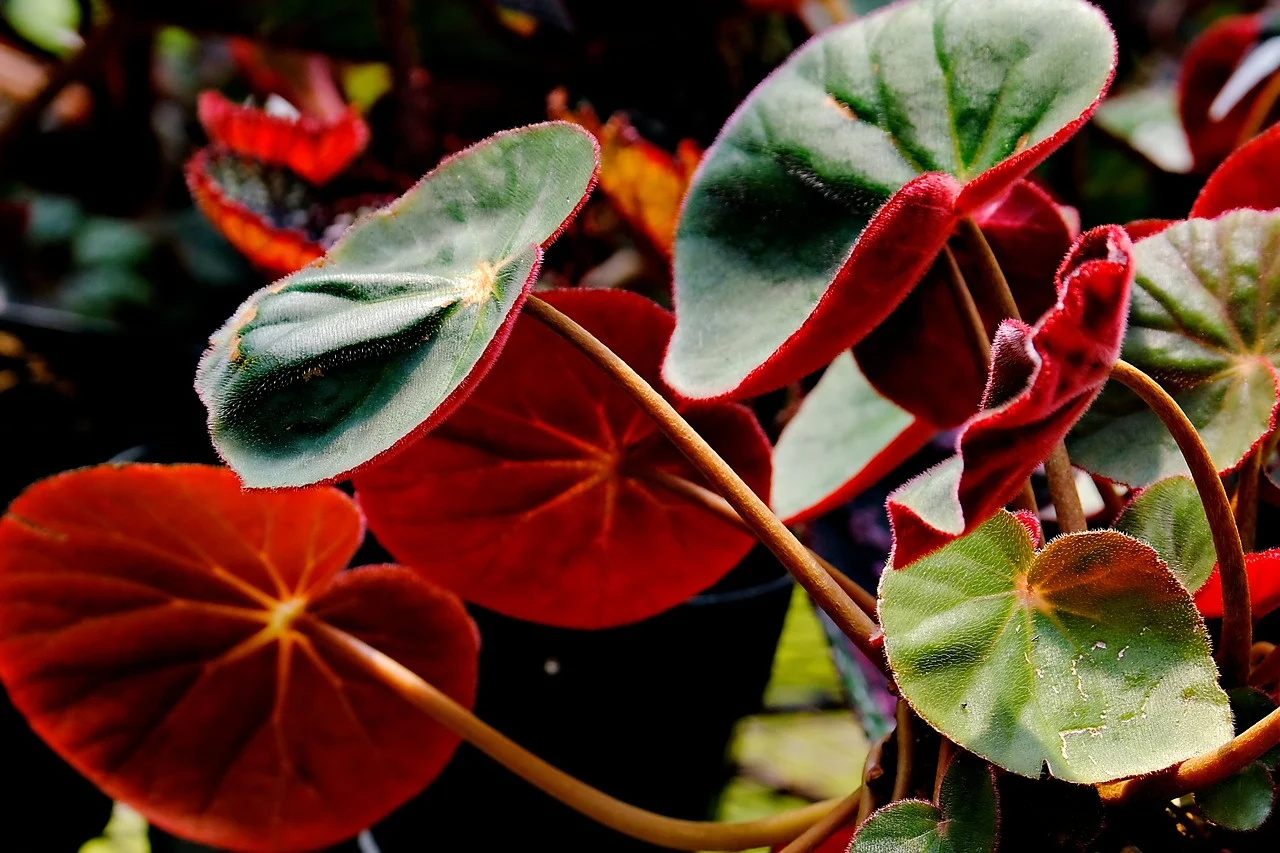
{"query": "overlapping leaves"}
(551, 496)
(165, 633)
(965, 819)
(831, 190)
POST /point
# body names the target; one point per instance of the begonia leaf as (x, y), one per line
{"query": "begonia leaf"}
(314, 148)
(543, 498)
(1169, 517)
(922, 356)
(1263, 569)
(1088, 657)
(1250, 177)
(381, 338)
(965, 819)
(160, 629)
(843, 439)
(830, 191)
(1241, 802)
(1042, 379)
(1204, 324)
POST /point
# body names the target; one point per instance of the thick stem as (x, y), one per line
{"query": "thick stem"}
(906, 751)
(711, 501)
(825, 828)
(615, 814)
(1066, 498)
(825, 592)
(1200, 772)
(1246, 501)
(1237, 624)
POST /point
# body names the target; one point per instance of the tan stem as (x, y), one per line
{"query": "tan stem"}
(1246, 501)
(906, 751)
(812, 837)
(1111, 499)
(1237, 624)
(1259, 110)
(976, 330)
(1066, 498)
(622, 817)
(1268, 669)
(945, 751)
(825, 592)
(711, 501)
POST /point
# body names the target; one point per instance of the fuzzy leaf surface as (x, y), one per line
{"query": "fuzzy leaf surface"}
(1242, 802)
(160, 629)
(965, 820)
(1088, 657)
(1169, 517)
(1263, 569)
(341, 361)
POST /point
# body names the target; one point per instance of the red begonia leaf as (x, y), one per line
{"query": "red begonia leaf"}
(921, 357)
(1031, 522)
(1263, 569)
(158, 628)
(1042, 380)
(314, 148)
(1250, 177)
(542, 496)
(1210, 62)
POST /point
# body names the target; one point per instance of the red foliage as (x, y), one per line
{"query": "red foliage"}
(159, 628)
(837, 842)
(1250, 177)
(1042, 380)
(542, 496)
(1263, 569)
(311, 147)
(921, 356)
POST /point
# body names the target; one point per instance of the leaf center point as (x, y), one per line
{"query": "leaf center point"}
(480, 285)
(283, 615)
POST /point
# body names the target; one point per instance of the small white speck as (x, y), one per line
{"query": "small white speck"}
(1122, 651)
(1099, 645)
(551, 667)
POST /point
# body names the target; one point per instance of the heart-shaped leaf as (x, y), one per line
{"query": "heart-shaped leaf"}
(843, 439)
(335, 365)
(159, 628)
(1263, 569)
(922, 356)
(548, 495)
(965, 820)
(830, 191)
(314, 148)
(1204, 324)
(1244, 801)
(1250, 177)
(1088, 657)
(1042, 379)
(1170, 518)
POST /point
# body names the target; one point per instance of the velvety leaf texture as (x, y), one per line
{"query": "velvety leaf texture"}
(338, 363)
(1263, 569)
(1243, 802)
(1205, 324)
(1250, 178)
(544, 496)
(965, 820)
(1170, 518)
(1042, 379)
(843, 439)
(1088, 658)
(160, 629)
(830, 191)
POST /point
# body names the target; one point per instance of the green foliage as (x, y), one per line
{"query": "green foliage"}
(1243, 802)
(1088, 657)
(1202, 321)
(965, 820)
(1170, 518)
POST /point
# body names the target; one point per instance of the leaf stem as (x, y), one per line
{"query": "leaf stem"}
(711, 501)
(993, 280)
(1246, 499)
(1259, 110)
(979, 338)
(1267, 670)
(946, 749)
(1062, 485)
(906, 752)
(825, 592)
(624, 818)
(1237, 624)
(843, 813)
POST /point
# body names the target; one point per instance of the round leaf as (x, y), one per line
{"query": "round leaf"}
(965, 820)
(1263, 569)
(158, 628)
(1088, 657)
(543, 496)
(1242, 802)
(1170, 518)
(1203, 321)
(379, 340)
(832, 188)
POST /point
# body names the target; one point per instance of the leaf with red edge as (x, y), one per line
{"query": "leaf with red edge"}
(1210, 62)
(1263, 569)
(314, 148)
(922, 356)
(545, 495)
(1042, 380)
(356, 354)
(159, 628)
(1250, 177)
(831, 190)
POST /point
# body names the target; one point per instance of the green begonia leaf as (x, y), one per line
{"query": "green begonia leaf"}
(830, 191)
(1088, 657)
(965, 820)
(1205, 323)
(1170, 518)
(1242, 802)
(372, 344)
(844, 438)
